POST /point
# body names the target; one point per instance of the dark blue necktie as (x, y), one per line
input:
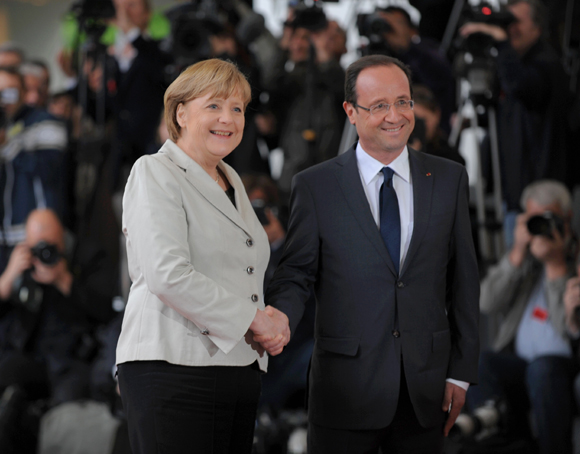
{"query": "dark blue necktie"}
(390, 220)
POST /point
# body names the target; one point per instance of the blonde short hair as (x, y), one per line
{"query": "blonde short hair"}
(220, 78)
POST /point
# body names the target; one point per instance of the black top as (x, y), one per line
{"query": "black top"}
(231, 193)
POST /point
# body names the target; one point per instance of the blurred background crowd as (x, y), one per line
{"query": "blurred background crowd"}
(496, 89)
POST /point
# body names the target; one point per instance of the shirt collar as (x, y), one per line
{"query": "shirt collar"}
(369, 167)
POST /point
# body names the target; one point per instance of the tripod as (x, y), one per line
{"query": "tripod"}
(490, 235)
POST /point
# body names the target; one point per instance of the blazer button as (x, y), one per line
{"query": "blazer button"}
(249, 242)
(400, 284)
(205, 332)
(396, 333)
(255, 298)
(250, 270)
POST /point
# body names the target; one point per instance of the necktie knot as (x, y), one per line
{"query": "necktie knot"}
(388, 173)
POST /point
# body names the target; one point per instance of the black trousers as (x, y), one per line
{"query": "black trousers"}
(403, 436)
(182, 409)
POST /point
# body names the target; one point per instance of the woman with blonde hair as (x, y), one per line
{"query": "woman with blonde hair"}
(189, 358)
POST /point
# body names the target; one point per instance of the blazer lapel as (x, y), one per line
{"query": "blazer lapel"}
(422, 196)
(207, 186)
(349, 179)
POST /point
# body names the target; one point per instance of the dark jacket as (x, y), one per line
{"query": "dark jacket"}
(533, 122)
(369, 321)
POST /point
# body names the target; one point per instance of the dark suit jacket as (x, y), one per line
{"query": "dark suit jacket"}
(334, 244)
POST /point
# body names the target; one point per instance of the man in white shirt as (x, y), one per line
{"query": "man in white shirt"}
(382, 233)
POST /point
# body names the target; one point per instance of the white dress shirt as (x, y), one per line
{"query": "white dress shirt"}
(372, 179)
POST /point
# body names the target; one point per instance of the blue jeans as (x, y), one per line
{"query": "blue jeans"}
(543, 386)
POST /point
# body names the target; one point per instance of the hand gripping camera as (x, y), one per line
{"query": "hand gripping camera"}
(26, 292)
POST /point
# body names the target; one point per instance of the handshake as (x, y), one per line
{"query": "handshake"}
(271, 330)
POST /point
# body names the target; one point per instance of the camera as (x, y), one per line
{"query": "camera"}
(373, 27)
(93, 9)
(489, 419)
(544, 224)
(311, 18)
(47, 253)
(26, 292)
(475, 55)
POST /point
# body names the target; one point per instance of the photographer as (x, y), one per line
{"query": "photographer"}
(31, 156)
(428, 66)
(533, 132)
(306, 95)
(531, 365)
(49, 308)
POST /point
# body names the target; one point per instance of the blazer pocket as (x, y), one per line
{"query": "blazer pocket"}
(441, 341)
(342, 345)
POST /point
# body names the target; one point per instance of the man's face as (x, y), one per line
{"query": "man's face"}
(299, 45)
(383, 136)
(523, 32)
(11, 96)
(399, 37)
(336, 40)
(36, 92)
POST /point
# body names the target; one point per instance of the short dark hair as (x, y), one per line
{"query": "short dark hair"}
(393, 9)
(538, 12)
(370, 61)
(14, 72)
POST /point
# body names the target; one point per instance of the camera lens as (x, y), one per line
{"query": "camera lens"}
(46, 253)
(539, 225)
(544, 224)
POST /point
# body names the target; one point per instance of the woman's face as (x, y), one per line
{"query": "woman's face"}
(211, 127)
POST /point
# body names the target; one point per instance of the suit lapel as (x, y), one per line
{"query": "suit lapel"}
(207, 187)
(349, 179)
(422, 196)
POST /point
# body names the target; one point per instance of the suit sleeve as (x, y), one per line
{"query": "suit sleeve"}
(155, 224)
(291, 284)
(463, 309)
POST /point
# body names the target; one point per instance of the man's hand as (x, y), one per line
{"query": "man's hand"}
(571, 302)
(452, 403)
(271, 330)
(20, 260)
(321, 41)
(522, 239)
(497, 33)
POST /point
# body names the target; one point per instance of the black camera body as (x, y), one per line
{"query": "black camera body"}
(311, 18)
(545, 224)
(474, 57)
(373, 27)
(26, 292)
(47, 253)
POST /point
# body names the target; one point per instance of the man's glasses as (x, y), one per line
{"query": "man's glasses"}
(402, 105)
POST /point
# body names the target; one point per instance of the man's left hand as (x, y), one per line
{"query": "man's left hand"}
(452, 403)
(496, 32)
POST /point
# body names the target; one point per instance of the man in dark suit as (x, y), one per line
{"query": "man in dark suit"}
(395, 276)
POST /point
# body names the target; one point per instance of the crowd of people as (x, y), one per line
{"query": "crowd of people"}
(66, 157)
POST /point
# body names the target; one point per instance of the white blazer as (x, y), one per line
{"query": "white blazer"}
(196, 262)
